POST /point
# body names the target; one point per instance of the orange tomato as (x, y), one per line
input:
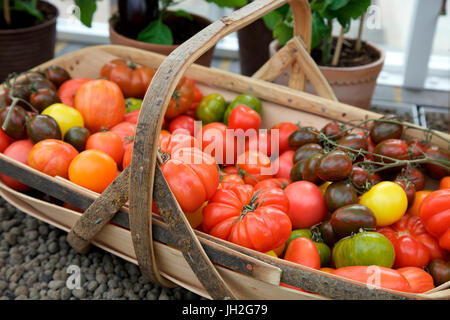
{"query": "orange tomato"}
(108, 142)
(444, 183)
(101, 103)
(52, 157)
(414, 208)
(93, 169)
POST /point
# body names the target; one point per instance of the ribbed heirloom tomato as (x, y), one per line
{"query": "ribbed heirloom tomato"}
(52, 157)
(256, 220)
(132, 80)
(101, 104)
(193, 177)
(419, 280)
(93, 169)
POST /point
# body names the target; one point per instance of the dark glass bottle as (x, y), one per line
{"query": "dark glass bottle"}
(135, 15)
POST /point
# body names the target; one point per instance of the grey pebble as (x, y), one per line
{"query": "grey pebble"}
(65, 293)
(21, 290)
(92, 285)
(56, 284)
(79, 293)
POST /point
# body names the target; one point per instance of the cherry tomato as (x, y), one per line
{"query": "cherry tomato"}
(339, 194)
(303, 251)
(184, 124)
(302, 136)
(306, 151)
(419, 280)
(334, 166)
(16, 126)
(285, 129)
(416, 148)
(57, 75)
(332, 130)
(381, 131)
(440, 271)
(41, 127)
(19, 151)
(388, 202)
(436, 153)
(93, 169)
(43, 98)
(351, 218)
(307, 206)
(77, 137)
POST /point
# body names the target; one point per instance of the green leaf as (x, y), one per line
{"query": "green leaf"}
(87, 10)
(283, 32)
(319, 30)
(229, 3)
(337, 4)
(353, 10)
(184, 14)
(29, 7)
(271, 19)
(156, 32)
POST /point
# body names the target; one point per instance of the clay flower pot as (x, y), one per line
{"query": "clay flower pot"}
(24, 48)
(119, 39)
(351, 85)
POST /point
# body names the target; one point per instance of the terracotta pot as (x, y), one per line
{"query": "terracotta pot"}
(351, 85)
(117, 38)
(253, 51)
(24, 48)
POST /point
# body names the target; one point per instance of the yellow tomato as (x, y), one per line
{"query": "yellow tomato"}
(65, 116)
(196, 218)
(388, 202)
(272, 253)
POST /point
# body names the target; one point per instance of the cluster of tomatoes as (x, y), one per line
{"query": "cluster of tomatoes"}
(351, 201)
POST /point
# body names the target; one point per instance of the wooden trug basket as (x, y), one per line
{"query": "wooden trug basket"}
(209, 266)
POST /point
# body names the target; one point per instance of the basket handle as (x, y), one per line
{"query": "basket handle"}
(144, 171)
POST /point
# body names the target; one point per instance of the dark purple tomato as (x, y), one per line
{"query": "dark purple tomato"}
(334, 166)
(416, 148)
(77, 137)
(306, 151)
(359, 177)
(35, 81)
(18, 91)
(381, 131)
(354, 141)
(297, 171)
(413, 175)
(43, 98)
(435, 171)
(57, 75)
(440, 271)
(302, 136)
(16, 126)
(393, 148)
(41, 127)
(340, 194)
(332, 130)
(309, 168)
(351, 218)
(408, 187)
(327, 233)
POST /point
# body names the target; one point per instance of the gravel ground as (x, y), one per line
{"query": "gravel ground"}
(34, 258)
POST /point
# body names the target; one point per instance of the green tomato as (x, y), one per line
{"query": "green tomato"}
(364, 249)
(211, 108)
(132, 104)
(246, 99)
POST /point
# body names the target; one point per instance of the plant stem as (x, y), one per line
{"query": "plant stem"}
(326, 46)
(361, 28)
(338, 49)
(7, 12)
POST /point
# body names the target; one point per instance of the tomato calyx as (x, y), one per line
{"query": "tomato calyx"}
(250, 206)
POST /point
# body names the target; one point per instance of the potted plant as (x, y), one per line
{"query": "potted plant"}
(150, 25)
(351, 66)
(27, 34)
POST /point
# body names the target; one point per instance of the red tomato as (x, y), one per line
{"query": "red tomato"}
(245, 118)
(126, 160)
(414, 246)
(419, 280)
(101, 103)
(434, 211)
(375, 276)
(307, 205)
(132, 80)
(219, 142)
(303, 251)
(181, 100)
(108, 142)
(52, 157)
(18, 150)
(281, 183)
(283, 164)
(5, 140)
(284, 131)
(126, 132)
(255, 166)
(132, 117)
(184, 124)
(198, 96)
(443, 184)
(261, 142)
(256, 220)
(193, 177)
(172, 142)
(68, 89)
